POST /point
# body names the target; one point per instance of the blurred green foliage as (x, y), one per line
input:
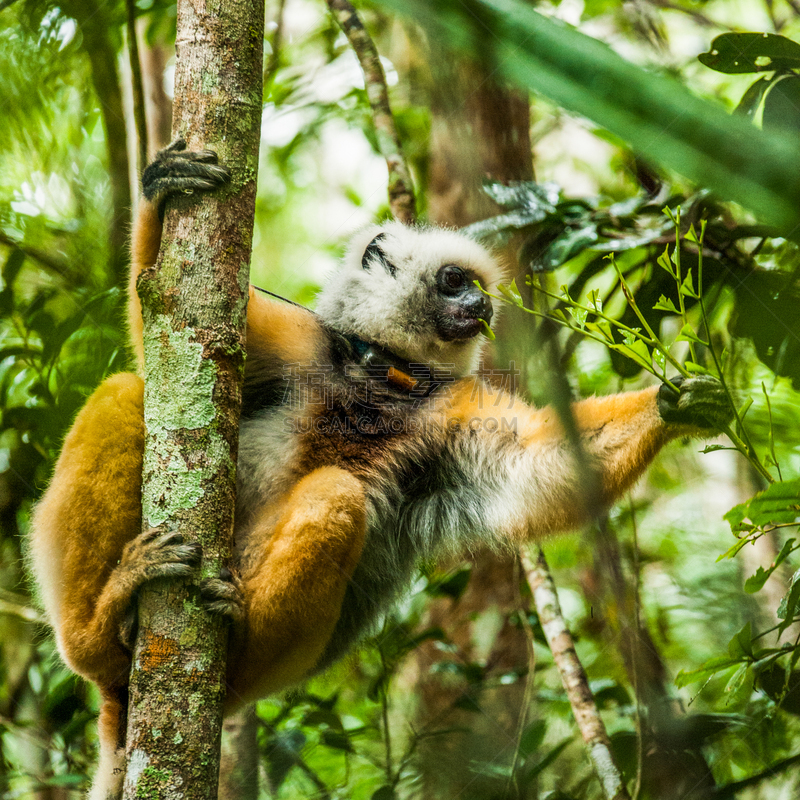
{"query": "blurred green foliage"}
(658, 119)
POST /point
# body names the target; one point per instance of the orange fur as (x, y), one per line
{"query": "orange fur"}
(305, 527)
(294, 588)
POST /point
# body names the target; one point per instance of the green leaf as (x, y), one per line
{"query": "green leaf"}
(705, 670)
(687, 287)
(736, 53)
(665, 262)
(782, 106)
(732, 551)
(741, 645)
(532, 737)
(777, 504)
(756, 582)
(737, 679)
(658, 117)
(631, 336)
(531, 772)
(751, 99)
(687, 334)
(603, 327)
(665, 304)
(637, 351)
(698, 368)
(787, 608)
(566, 246)
(337, 740)
(511, 293)
(579, 315)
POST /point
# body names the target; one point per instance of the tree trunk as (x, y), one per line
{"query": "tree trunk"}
(194, 308)
(479, 131)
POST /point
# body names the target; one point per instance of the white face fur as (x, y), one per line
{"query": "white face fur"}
(389, 291)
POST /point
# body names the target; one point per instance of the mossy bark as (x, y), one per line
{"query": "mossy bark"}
(194, 307)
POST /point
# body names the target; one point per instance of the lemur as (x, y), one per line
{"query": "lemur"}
(403, 454)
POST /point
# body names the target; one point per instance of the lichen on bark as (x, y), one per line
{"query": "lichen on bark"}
(193, 305)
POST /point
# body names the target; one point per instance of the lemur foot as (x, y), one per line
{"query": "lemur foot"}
(151, 555)
(223, 595)
(700, 401)
(177, 170)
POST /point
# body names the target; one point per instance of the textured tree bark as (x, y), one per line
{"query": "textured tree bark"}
(194, 308)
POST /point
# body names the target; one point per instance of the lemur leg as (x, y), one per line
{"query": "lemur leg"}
(308, 548)
(87, 545)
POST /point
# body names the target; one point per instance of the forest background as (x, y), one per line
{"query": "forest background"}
(691, 657)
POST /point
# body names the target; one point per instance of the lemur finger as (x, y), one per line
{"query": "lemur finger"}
(223, 595)
(161, 554)
(700, 401)
(177, 145)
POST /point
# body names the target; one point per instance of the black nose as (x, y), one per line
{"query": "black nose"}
(478, 306)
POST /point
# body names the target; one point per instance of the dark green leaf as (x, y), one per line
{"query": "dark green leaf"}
(532, 737)
(782, 105)
(322, 716)
(338, 740)
(735, 53)
(566, 247)
(748, 105)
(788, 605)
(530, 772)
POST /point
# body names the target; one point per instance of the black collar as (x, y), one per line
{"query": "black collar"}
(417, 380)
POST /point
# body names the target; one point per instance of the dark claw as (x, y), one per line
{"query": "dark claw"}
(223, 595)
(177, 170)
(699, 401)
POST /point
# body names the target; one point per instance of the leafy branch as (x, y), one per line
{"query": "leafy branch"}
(642, 344)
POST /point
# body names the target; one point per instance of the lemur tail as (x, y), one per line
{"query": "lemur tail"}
(111, 725)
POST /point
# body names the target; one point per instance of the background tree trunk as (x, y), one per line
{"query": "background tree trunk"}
(477, 134)
(194, 306)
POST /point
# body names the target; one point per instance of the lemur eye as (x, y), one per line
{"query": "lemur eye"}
(451, 279)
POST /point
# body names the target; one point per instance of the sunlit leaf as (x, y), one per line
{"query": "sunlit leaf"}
(665, 304)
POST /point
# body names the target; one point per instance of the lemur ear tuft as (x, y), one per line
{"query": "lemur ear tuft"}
(375, 252)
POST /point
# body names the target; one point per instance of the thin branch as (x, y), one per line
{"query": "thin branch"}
(16, 606)
(138, 88)
(700, 19)
(401, 189)
(61, 266)
(573, 676)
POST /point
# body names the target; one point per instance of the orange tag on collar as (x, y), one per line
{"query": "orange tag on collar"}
(400, 378)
